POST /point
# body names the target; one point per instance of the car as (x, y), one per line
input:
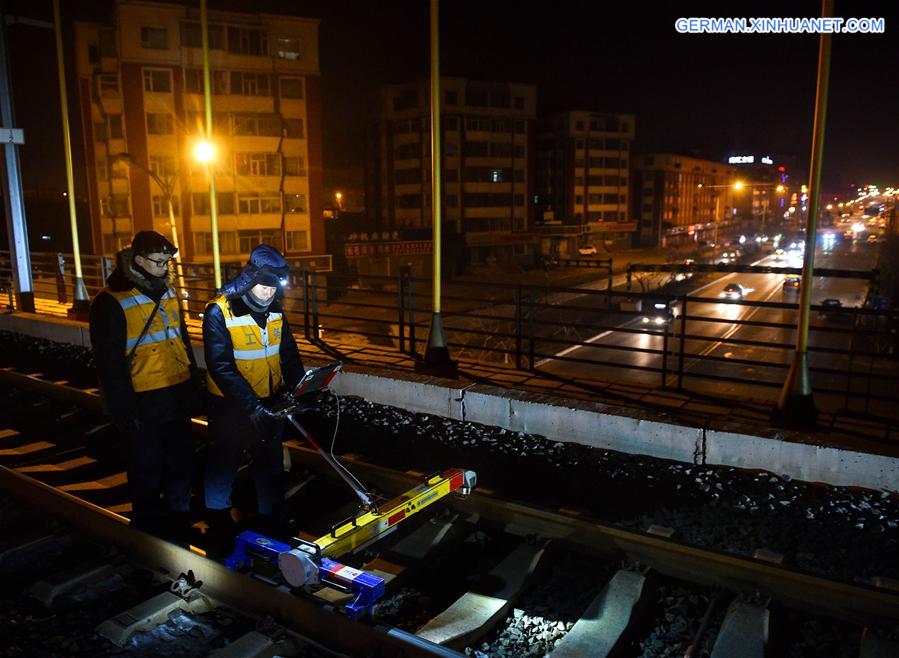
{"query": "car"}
(791, 283)
(587, 250)
(872, 238)
(848, 235)
(657, 311)
(831, 309)
(778, 254)
(732, 291)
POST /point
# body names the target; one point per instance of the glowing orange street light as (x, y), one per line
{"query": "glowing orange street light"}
(204, 151)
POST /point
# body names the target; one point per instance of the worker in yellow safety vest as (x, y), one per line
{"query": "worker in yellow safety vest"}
(148, 380)
(251, 359)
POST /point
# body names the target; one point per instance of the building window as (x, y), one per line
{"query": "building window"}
(452, 200)
(519, 151)
(258, 164)
(291, 87)
(192, 36)
(161, 206)
(451, 176)
(500, 150)
(193, 81)
(257, 124)
(158, 80)
(519, 199)
(519, 102)
(224, 203)
(115, 205)
(249, 240)
(297, 241)
(258, 203)
(118, 169)
(408, 201)
(162, 165)
(295, 202)
(294, 128)
(450, 149)
(519, 175)
(475, 149)
(407, 151)
(247, 41)
(250, 84)
(520, 127)
(159, 124)
(408, 176)
(478, 123)
(451, 123)
(109, 85)
(154, 37)
(294, 166)
(115, 126)
(202, 243)
(451, 98)
(289, 48)
(579, 199)
(102, 169)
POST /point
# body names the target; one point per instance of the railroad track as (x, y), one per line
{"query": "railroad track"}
(632, 584)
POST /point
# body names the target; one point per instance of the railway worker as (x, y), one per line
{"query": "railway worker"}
(146, 370)
(251, 359)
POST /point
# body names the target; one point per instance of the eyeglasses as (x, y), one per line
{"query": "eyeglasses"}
(159, 263)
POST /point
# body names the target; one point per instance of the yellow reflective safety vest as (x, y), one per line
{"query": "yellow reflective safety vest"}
(161, 358)
(257, 351)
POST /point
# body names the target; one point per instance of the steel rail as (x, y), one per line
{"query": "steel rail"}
(846, 601)
(856, 602)
(301, 614)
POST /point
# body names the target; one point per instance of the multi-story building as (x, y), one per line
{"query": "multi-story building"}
(140, 81)
(765, 189)
(487, 136)
(680, 199)
(583, 178)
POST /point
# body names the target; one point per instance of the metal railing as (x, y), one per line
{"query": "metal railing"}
(578, 335)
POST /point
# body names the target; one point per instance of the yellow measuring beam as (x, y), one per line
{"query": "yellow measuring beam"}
(370, 525)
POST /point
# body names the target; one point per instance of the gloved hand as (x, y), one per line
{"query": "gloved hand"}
(266, 423)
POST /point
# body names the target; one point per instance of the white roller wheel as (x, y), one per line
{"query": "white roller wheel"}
(298, 568)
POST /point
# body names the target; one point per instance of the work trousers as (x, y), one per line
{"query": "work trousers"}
(232, 435)
(160, 463)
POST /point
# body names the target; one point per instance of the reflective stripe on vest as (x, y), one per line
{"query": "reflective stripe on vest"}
(160, 359)
(257, 351)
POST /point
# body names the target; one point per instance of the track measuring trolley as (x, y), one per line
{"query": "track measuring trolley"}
(313, 564)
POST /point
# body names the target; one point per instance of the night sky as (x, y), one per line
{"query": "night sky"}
(707, 95)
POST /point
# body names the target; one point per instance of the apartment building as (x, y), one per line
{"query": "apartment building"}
(679, 199)
(140, 81)
(583, 178)
(488, 132)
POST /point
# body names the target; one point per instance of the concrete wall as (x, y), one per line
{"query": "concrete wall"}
(593, 424)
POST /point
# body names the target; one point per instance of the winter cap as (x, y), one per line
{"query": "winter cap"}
(151, 242)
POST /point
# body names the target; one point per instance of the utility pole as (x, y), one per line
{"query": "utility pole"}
(16, 226)
(437, 359)
(796, 405)
(81, 304)
(213, 201)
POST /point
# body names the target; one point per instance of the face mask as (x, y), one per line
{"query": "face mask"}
(255, 303)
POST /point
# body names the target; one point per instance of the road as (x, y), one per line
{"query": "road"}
(717, 349)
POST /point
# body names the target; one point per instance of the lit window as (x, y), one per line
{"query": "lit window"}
(289, 48)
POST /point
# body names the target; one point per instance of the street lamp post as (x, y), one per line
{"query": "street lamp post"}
(168, 190)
